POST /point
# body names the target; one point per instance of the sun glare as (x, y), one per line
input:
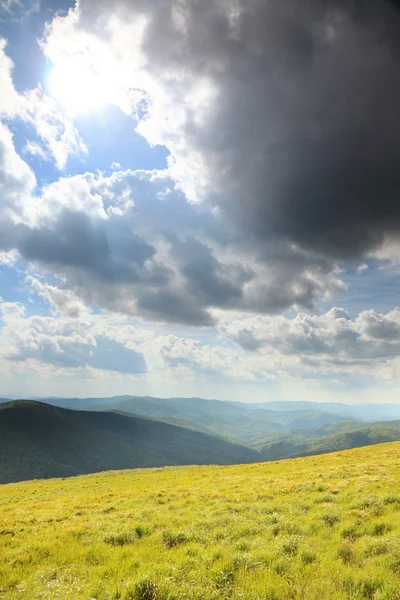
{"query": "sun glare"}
(80, 86)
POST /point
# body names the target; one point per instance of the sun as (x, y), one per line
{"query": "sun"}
(81, 86)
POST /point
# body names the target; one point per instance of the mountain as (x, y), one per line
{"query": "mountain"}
(228, 419)
(80, 403)
(359, 412)
(40, 441)
(238, 422)
(331, 438)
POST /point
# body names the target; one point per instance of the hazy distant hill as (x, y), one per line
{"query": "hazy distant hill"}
(38, 440)
(240, 422)
(229, 419)
(331, 438)
(358, 412)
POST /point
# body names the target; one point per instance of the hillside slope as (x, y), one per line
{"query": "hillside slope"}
(38, 440)
(330, 438)
(228, 419)
(316, 528)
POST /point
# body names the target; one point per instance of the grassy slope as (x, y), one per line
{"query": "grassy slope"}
(318, 528)
(38, 440)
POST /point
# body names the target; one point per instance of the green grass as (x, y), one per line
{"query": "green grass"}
(323, 527)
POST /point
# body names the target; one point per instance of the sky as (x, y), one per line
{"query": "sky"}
(200, 198)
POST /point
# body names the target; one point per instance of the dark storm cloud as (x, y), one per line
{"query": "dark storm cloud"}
(292, 145)
(109, 253)
(302, 143)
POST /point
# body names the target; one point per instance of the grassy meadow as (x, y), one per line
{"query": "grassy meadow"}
(321, 527)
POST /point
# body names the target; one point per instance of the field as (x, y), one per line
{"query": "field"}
(322, 527)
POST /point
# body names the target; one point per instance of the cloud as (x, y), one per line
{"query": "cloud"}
(269, 182)
(284, 116)
(62, 300)
(18, 9)
(11, 103)
(131, 243)
(362, 268)
(65, 344)
(73, 344)
(189, 357)
(328, 343)
(78, 343)
(17, 184)
(34, 149)
(55, 130)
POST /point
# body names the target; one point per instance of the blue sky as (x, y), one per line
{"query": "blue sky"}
(186, 218)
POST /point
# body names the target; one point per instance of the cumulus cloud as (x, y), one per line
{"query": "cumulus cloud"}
(74, 343)
(17, 184)
(78, 343)
(132, 243)
(330, 343)
(62, 300)
(280, 121)
(64, 343)
(245, 90)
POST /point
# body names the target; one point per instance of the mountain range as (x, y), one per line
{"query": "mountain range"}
(58, 437)
(38, 440)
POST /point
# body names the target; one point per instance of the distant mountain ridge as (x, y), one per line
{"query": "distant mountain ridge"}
(367, 412)
(242, 423)
(331, 438)
(39, 440)
(51, 438)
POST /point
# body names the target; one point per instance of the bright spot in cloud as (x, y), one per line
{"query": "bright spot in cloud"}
(81, 86)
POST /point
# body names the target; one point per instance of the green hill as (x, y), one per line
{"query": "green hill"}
(316, 528)
(228, 419)
(39, 440)
(330, 438)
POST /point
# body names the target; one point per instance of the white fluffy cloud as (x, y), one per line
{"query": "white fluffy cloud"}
(66, 344)
(331, 343)
(17, 184)
(74, 341)
(61, 299)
